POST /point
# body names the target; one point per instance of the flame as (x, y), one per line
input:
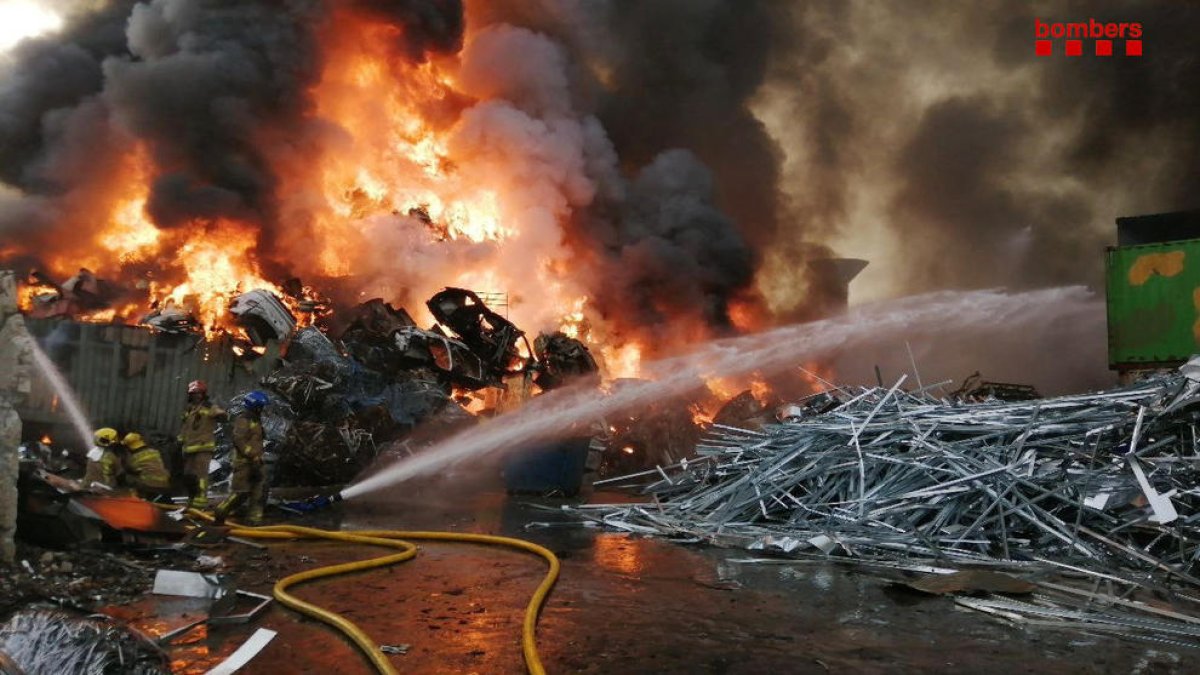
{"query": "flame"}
(761, 391)
(398, 161)
(622, 360)
(401, 195)
(46, 440)
(28, 294)
(218, 267)
(817, 376)
(130, 236)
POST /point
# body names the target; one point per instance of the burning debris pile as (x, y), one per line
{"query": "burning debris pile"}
(661, 433)
(1102, 484)
(339, 402)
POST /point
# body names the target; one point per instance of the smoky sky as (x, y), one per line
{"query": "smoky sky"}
(924, 135)
(207, 87)
(671, 84)
(985, 164)
(50, 77)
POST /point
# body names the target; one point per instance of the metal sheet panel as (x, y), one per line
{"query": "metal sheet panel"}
(130, 378)
(1153, 304)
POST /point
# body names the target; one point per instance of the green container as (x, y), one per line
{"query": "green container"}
(1153, 304)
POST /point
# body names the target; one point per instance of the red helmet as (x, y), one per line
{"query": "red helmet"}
(197, 387)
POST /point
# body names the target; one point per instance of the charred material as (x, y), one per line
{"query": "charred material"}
(562, 360)
(490, 336)
(387, 340)
(744, 411)
(82, 293)
(660, 434)
(263, 316)
(332, 412)
(975, 389)
(172, 320)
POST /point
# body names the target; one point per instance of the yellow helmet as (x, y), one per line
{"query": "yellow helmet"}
(133, 441)
(106, 436)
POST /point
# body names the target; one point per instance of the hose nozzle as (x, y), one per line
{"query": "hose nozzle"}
(316, 503)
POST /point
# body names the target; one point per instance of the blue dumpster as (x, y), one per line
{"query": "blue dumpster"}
(556, 467)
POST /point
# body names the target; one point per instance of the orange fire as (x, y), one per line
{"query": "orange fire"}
(28, 294)
(817, 376)
(405, 192)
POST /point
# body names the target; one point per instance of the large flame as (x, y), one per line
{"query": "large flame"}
(400, 194)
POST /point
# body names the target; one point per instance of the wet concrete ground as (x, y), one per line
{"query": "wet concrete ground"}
(628, 605)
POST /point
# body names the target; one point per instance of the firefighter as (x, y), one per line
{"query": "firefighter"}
(197, 434)
(144, 467)
(103, 463)
(248, 477)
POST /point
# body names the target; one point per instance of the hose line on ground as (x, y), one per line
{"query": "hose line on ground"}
(395, 539)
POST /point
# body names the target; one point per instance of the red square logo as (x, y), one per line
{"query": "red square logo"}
(1103, 47)
(1074, 47)
(1133, 48)
(1043, 47)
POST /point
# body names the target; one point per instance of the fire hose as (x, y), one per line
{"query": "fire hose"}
(395, 539)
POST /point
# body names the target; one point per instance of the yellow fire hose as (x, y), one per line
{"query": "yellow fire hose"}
(393, 539)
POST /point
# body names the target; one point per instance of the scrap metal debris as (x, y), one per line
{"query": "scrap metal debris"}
(562, 359)
(246, 653)
(487, 334)
(1102, 486)
(82, 293)
(263, 316)
(339, 401)
(51, 641)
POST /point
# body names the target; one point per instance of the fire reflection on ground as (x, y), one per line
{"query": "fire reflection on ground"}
(618, 553)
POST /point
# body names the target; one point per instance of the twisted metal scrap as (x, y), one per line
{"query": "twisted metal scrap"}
(1104, 483)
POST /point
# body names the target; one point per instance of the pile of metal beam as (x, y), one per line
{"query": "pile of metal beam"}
(1102, 485)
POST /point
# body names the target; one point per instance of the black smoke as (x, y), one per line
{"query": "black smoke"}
(211, 89)
(746, 135)
(671, 251)
(990, 165)
(44, 82)
(671, 83)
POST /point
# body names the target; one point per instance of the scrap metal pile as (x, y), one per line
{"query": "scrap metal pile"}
(52, 641)
(1103, 484)
(339, 397)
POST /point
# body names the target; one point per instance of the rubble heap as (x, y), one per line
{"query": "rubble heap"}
(330, 413)
(339, 400)
(1103, 484)
(52, 641)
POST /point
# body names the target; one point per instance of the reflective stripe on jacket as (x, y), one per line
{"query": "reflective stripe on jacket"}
(198, 433)
(247, 440)
(148, 469)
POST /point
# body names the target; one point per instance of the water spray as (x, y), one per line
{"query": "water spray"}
(79, 419)
(557, 413)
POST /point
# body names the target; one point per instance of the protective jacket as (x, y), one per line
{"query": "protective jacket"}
(103, 467)
(247, 441)
(198, 433)
(148, 470)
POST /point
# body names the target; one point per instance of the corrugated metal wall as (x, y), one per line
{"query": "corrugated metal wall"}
(131, 378)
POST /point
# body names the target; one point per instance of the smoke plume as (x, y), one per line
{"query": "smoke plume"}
(665, 168)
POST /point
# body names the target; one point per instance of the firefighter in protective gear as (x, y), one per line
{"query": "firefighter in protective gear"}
(197, 434)
(248, 483)
(104, 469)
(145, 468)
